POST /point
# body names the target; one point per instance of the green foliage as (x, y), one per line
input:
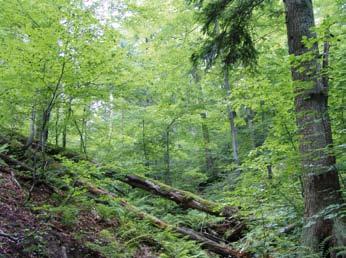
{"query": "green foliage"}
(108, 246)
(34, 243)
(227, 26)
(106, 212)
(120, 89)
(67, 214)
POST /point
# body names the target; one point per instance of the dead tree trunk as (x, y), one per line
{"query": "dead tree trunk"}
(182, 198)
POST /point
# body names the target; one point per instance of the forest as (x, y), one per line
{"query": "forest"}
(172, 128)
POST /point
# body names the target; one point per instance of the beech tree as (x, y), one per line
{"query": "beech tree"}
(320, 177)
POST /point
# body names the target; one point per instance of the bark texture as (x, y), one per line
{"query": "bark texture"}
(320, 177)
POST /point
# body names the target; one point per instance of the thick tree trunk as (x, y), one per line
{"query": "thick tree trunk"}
(320, 177)
(234, 131)
(182, 198)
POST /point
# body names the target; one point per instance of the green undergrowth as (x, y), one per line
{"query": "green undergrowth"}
(117, 234)
(266, 205)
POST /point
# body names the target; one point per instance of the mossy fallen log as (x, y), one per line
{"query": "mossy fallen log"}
(182, 198)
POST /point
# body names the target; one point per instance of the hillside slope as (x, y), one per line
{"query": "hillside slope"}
(54, 204)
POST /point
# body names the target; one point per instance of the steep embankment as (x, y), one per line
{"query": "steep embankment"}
(26, 233)
(41, 219)
(50, 207)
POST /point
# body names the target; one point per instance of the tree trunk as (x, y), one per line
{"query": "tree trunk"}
(234, 131)
(67, 119)
(123, 127)
(111, 117)
(167, 158)
(42, 124)
(320, 177)
(57, 131)
(167, 155)
(270, 171)
(249, 120)
(145, 151)
(209, 161)
(82, 145)
(32, 127)
(84, 129)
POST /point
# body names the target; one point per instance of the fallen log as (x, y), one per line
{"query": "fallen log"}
(12, 161)
(232, 229)
(206, 243)
(182, 198)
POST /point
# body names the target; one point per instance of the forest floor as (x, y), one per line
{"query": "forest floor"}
(27, 231)
(57, 213)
